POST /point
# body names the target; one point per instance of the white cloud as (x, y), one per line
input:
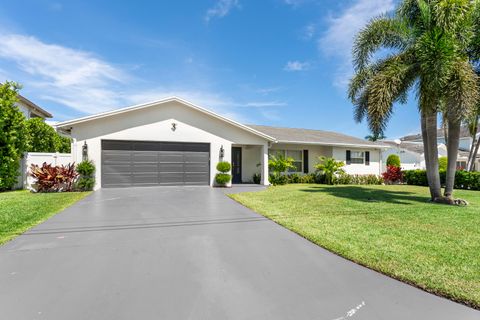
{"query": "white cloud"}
(266, 91)
(75, 78)
(263, 104)
(296, 66)
(221, 9)
(308, 31)
(84, 82)
(338, 38)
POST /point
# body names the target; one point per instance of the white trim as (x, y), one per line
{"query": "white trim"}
(336, 144)
(158, 102)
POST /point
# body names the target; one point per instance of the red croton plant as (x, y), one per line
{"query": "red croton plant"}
(393, 174)
(54, 178)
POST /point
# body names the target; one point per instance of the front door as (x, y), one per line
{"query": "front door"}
(236, 165)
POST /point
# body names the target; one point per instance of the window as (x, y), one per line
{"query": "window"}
(296, 155)
(357, 157)
(461, 165)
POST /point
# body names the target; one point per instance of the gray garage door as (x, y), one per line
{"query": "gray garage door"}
(145, 163)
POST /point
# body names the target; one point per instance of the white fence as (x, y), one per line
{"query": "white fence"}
(56, 159)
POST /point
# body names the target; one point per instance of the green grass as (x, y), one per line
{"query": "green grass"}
(21, 210)
(391, 229)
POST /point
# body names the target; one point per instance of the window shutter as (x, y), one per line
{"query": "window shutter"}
(367, 158)
(305, 161)
(349, 157)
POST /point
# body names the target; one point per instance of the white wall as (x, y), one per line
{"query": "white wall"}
(340, 154)
(155, 124)
(314, 152)
(24, 109)
(38, 158)
(408, 160)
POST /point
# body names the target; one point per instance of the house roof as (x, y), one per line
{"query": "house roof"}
(464, 133)
(34, 107)
(415, 147)
(66, 125)
(308, 136)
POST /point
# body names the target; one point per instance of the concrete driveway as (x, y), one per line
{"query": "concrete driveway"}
(191, 253)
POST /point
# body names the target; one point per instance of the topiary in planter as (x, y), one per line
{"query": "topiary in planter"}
(223, 166)
(222, 178)
(393, 160)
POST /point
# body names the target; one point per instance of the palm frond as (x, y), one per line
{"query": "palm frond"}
(380, 32)
(462, 92)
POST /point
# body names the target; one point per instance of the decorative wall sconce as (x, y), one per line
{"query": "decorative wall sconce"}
(174, 126)
(85, 151)
(222, 152)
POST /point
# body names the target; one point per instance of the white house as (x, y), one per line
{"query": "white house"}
(465, 138)
(30, 109)
(412, 155)
(172, 142)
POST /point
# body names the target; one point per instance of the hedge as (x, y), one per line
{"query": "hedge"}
(463, 179)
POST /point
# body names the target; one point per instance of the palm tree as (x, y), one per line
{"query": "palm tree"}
(472, 125)
(427, 42)
(329, 167)
(375, 137)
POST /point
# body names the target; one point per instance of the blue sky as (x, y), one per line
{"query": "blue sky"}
(274, 62)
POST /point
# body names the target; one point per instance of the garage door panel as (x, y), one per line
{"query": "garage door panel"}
(117, 169)
(168, 156)
(139, 163)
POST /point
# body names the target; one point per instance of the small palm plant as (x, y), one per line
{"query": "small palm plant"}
(279, 164)
(329, 167)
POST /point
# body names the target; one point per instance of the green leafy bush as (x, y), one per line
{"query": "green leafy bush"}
(463, 179)
(12, 135)
(277, 179)
(223, 166)
(43, 138)
(257, 178)
(359, 179)
(222, 178)
(86, 182)
(442, 163)
(393, 160)
(86, 168)
(329, 167)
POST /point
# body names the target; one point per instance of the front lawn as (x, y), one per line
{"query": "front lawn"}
(392, 229)
(21, 210)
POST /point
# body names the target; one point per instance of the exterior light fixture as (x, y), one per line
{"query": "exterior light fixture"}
(222, 152)
(174, 126)
(85, 151)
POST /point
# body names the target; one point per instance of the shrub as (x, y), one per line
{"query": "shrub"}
(12, 135)
(86, 182)
(53, 178)
(442, 163)
(277, 179)
(43, 138)
(329, 167)
(223, 166)
(86, 168)
(393, 160)
(257, 178)
(222, 178)
(415, 177)
(360, 179)
(308, 178)
(393, 174)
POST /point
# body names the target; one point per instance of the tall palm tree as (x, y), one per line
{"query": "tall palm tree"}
(427, 43)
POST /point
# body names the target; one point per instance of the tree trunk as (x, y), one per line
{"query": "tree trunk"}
(470, 153)
(452, 153)
(432, 155)
(474, 156)
(446, 133)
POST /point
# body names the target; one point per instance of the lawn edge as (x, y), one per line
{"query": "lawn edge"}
(468, 303)
(37, 222)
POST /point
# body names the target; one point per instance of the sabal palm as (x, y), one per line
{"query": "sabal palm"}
(428, 42)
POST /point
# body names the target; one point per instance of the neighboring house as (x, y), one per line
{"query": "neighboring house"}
(30, 109)
(412, 155)
(465, 138)
(172, 142)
